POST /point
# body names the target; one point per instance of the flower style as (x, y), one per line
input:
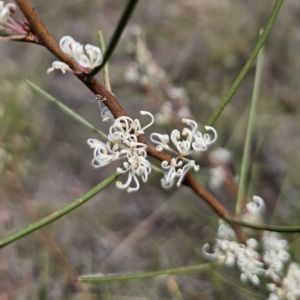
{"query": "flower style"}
(189, 141)
(123, 144)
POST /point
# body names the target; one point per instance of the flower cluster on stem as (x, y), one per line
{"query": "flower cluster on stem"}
(263, 257)
(123, 144)
(87, 56)
(186, 143)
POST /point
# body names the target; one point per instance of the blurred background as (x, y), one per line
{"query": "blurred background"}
(176, 58)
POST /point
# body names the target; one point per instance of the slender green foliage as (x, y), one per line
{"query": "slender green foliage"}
(59, 213)
(146, 275)
(287, 229)
(117, 34)
(245, 161)
(66, 110)
(248, 64)
(106, 77)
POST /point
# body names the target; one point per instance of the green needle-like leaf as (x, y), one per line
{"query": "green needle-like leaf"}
(59, 213)
(116, 36)
(248, 64)
(66, 110)
(244, 166)
(139, 276)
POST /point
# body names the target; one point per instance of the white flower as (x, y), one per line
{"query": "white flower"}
(162, 142)
(5, 12)
(290, 286)
(58, 65)
(187, 142)
(125, 129)
(123, 135)
(67, 44)
(106, 115)
(250, 266)
(224, 252)
(87, 56)
(257, 206)
(183, 147)
(137, 165)
(225, 231)
(272, 241)
(168, 180)
(275, 255)
(103, 153)
(254, 210)
(176, 170)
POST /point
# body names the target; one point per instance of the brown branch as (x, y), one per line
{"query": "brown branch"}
(46, 39)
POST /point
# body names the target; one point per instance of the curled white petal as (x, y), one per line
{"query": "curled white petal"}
(210, 256)
(183, 147)
(6, 11)
(103, 153)
(225, 231)
(58, 65)
(185, 169)
(106, 115)
(151, 122)
(162, 142)
(87, 56)
(256, 206)
(175, 135)
(67, 44)
(201, 141)
(192, 124)
(94, 55)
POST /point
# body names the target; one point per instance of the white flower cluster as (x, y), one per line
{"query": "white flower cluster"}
(6, 10)
(271, 262)
(87, 56)
(189, 141)
(226, 250)
(123, 144)
(290, 285)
